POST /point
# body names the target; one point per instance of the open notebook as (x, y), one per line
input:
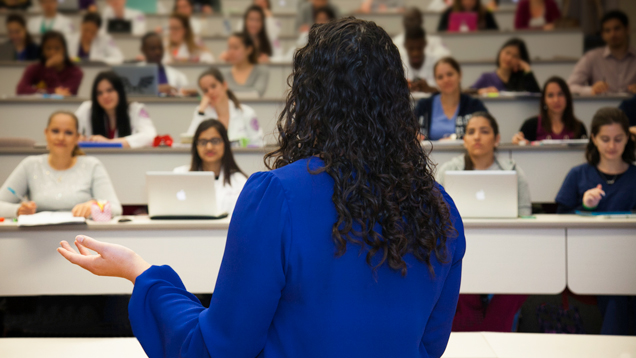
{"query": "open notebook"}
(49, 218)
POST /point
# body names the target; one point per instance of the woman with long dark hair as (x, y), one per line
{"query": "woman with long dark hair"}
(513, 71)
(108, 117)
(485, 18)
(54, 73)
(607, 182)
(212, 152)
(20, 46)
(246, 75)
(219, 102)
(347, 248)
(556, 118)
(254, 24)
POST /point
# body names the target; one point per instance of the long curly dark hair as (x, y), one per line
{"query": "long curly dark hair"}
(350, 105)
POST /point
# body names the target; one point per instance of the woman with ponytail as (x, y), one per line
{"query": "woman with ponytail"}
(62, 180)
(219, 102)
(112, 118)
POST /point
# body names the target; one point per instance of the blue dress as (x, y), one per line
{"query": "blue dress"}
(281, 292)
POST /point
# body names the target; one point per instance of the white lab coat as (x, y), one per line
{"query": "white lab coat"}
(137, 18)
(61, 23)
(103, 49)
(226, 195)
(143, 131)
(243, 123)
(183, 54)
(176, 78)
(425, 72)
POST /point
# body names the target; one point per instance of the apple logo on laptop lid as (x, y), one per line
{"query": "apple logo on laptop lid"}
(181, 195)
(481, 195)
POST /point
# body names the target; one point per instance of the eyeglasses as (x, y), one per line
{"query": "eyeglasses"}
(213, 141)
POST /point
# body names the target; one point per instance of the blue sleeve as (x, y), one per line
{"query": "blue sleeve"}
(440, 322)
(568, 196)
(170, 322)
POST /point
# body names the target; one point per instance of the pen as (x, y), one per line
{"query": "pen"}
(22, 199)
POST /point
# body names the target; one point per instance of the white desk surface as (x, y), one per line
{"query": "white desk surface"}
(460, 345)
(502, 255)
(173, 115)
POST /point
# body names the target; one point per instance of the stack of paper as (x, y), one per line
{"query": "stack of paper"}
(50, 218)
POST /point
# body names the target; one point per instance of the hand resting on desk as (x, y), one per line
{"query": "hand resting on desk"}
(111, 260)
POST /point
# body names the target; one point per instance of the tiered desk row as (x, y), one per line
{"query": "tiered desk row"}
(541, 255)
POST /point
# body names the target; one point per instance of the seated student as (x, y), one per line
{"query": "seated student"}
(62, 180)
(556, 119)
(54, 73)
(91, 45)
(609, 69)
(307, 10)
(108, 117)
(607, 182)
(513, 72)
(481, 141)
(485, 19)
(246, 75)
(171, 80)
(444, 115)
(369, 6)
(208, 6)
(20, 46)
(418, 67)
(116, 9)
(628, 107)
(536, 14)
(182, 46)
(272, 25)
(254, 24)
(50, 20)
(220, 103)
(413, 17)
(186, 8)
(212, 152)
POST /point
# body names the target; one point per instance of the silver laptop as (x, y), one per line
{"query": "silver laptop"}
(189, 195)
(139, 80)
(483, 193)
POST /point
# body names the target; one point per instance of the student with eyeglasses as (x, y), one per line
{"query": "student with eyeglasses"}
(212, 152)
(220, 103)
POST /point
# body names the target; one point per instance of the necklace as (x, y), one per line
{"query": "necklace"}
(606, 178)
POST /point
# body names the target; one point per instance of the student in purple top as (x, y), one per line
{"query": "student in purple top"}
(556, 118)
(513, 73)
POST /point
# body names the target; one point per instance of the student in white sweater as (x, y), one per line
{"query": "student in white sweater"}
(211, 151)
(108, 117)
(50, 20)
(220, 103)
(62, 180)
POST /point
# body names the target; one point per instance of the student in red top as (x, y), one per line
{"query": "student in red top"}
(536, 14)
(55, 73)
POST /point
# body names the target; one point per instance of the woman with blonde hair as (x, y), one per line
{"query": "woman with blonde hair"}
(64, 179)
